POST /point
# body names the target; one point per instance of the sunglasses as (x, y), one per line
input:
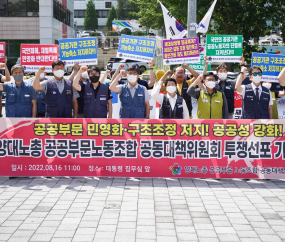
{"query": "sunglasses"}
(256, 74)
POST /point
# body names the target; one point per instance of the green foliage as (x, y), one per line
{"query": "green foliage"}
(112, 33)
(126, 31)
(94, 34)
(282, 29)
(125, 10)
(138, 33)
(90, 20)
(111, 17)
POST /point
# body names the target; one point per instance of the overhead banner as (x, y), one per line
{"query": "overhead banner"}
(199, 67)
(224, 48)
(143, 148)
(136, 48)
(2, 51)
(35, 55)
(82, 51)
(270, 64)
(179, 51)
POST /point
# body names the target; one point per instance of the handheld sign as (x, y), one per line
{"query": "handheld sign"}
(35, 55)
(224, 48)
(82, 51)
(2, 51)
(179, 51)
(270, 64)
(136, 48)
(199, 67)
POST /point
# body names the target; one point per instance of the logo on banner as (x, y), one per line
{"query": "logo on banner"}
(167, 61)
(120, 55)
(176, 169)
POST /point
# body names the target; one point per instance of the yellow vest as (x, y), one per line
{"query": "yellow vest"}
(274, 107)
(210, 107)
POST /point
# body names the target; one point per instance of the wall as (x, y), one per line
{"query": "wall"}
(104, 58)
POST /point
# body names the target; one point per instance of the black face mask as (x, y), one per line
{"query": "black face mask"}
(94, 79)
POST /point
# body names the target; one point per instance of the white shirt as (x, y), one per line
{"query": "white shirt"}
(172, 100)
(254, 90)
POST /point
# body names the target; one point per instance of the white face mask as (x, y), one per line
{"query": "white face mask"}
(59, 73)
(267, 85)
(210, 84)
(42, 76)
(84, 75)
(132, 78)
(256, 79)
(223, 76)
(171, 89)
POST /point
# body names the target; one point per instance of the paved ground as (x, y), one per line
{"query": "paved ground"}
(162, 210)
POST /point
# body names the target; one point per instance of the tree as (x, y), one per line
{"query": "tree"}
(138, 33)
(126, 31)
(90, 20)
(111, 17)
(112, 33)
(125, 10)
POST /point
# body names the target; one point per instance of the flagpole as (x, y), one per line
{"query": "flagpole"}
(192, 9)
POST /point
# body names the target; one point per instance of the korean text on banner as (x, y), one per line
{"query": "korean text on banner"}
(136, 48)
(140, 148)
(179, 51)
(2, 51)
(34, 55)
(199, 67)
(82, 51)
(270, 64)
(224, 48)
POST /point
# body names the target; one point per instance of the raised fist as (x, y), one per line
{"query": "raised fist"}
(123, 73)
(42, 69)
(83, 68)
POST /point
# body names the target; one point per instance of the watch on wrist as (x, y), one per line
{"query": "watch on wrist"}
(241, 72)
(242, 65)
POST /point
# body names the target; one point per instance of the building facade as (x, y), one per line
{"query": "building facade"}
(34, 22)
(102, 8)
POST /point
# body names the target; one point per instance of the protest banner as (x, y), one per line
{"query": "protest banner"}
(142, 148)
(270, 64)
(2, 51)
(224, 48)
(35, 55)
(199, 67)
(179, 51)
(82, 51)
(136, 48)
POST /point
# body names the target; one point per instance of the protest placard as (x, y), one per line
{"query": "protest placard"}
(179, 51)
(35, 55)
(136, 48)
(2, 51)
(224, 48)
(82, 51)
(270, 64)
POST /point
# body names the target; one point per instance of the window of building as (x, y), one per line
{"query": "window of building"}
(19, 8)
(102, 13)
(79, 13)
(61, 13)
(108, 4)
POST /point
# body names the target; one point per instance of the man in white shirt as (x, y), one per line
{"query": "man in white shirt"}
(256, 100)
(172, 106)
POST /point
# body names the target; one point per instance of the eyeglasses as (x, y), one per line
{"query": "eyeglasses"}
(180, 73)
(255, 74)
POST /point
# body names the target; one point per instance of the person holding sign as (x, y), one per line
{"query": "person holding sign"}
(182, 85)
(5, 78)
(172, 106)
(97, 96)
(134, 97)
(275, 94)
(61, 97)
(21, 98)
(212, 103)
(256, 99)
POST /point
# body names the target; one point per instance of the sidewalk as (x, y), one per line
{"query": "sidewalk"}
(142, 210)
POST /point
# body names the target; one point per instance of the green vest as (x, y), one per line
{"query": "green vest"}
(210, 107)
(274, 107)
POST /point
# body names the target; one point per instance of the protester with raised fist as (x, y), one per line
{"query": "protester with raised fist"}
(61, 97)
(256, 99)
(97, 96)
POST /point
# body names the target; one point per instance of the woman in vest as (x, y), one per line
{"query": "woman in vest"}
(172, 106)
(212, 103)
(274, 95)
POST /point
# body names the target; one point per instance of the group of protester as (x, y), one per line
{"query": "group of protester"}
(85, 95)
